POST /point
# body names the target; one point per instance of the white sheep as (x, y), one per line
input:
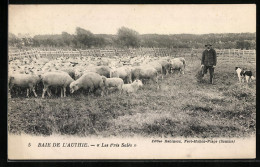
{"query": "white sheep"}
(28, 81)
(90, 80)
(178, 64)
(133, 87)
(56, 78)
(113, 82)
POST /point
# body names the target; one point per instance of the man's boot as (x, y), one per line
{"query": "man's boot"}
(211, 79)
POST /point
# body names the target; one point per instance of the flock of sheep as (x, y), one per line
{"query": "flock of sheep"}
(88, 73)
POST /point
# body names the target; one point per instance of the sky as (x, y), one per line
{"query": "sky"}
(145, 19)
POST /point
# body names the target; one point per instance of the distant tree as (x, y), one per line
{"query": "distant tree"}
(229, 45)
(243, 45)
(127, 37)
(13, 40)
(252, 44)
(239, 45)
(247, 45)
(99, 42)
(35, 42)
(26, 41)
(84, 37)
(66, 38)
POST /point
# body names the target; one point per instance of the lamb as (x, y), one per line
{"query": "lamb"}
(56, 78)
(90, 80)
(113, 82)
(133, 87)
(28, 81)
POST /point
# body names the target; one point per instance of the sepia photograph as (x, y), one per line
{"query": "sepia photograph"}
(131, 81)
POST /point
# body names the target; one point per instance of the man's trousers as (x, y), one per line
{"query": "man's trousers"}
(211, 72)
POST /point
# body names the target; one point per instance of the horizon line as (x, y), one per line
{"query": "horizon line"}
(141, 34)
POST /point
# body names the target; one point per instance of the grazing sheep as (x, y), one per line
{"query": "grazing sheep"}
(78, 73)
(157, 66)
(183, 61)
(123, 73)
(133, 87)
(178, 64)
(165, 66)
(101, 70)
(28, 81)
(81, 69)
(113, 82)
(145, 73)
(115, 63)
(69, 70)
(55, 78)
(105, 61)
(89, 80)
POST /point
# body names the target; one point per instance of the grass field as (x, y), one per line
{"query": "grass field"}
(182, 107)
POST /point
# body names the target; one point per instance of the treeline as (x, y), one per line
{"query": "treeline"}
(128, 38)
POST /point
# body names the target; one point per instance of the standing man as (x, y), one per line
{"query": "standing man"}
(209, 61)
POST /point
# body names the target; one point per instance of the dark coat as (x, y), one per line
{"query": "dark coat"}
(209, 58)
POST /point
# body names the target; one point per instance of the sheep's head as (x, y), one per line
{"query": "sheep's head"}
(73, 87)
(137, 83)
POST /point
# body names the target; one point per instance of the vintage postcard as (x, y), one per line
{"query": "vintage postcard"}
(131, 82)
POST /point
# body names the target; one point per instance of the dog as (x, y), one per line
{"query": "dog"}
(244, 74)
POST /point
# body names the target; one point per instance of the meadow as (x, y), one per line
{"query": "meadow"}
(181, 107)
